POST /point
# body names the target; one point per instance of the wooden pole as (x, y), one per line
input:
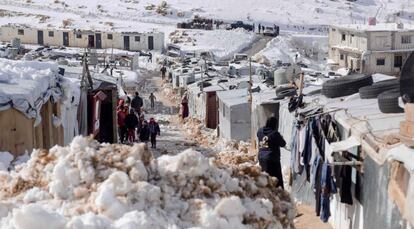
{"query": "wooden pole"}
(250, 100)
(301, 79)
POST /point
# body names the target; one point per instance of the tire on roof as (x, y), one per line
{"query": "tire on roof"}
(388, 102)
(286, 92)
(372, 91)
(346, 85)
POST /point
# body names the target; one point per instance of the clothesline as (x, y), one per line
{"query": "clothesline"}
(352, 163)
(326, 112)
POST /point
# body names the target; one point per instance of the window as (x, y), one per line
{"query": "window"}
(341, 56)
(398, 61)
(351, 38)
(51, 34)
(406, 39)
(380, 61)
(20, 31)
(137, 38)
(333, 30)
(343, 37)
(110, 37)
(79, 36)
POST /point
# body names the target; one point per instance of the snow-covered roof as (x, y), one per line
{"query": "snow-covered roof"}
(362, 118)
(376, 28)
(27, 85)
(233, 97)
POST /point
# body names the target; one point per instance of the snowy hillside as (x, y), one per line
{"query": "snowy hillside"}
(145, 13)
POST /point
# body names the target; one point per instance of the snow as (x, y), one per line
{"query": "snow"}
(378, 27)
(134, 15)
(5, 160)
(402, 154)
(222, 43)
(24, 82)
(36, 217)
(92, 185)
(310, 50)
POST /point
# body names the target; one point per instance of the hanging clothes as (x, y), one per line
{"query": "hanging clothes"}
(345, 188)
(316, 174)
(307, 151)
(328, 187)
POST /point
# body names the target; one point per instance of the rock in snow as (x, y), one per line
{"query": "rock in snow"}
(92, 185)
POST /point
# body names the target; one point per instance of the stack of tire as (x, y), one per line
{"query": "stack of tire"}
(285, 91)
(387, 92)
(346, 85)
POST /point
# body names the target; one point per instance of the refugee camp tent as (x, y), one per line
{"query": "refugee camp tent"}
(30, 106)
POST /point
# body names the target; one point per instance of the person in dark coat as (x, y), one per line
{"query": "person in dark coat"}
(137, 103)
(140, 123)
(163, 71)
(152, 99)
(259, 28)
(270, 142)
(144, 134)
(184, 107)
(154, 131)
(150, 57)
(131, 122)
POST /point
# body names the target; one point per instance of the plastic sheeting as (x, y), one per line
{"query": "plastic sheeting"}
(27, 85)
(286, 121)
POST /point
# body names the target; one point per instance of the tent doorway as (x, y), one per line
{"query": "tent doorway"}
(91, 41)
(40, 37)
(150, 42)
(98, 44)
(126, 42)
(65, 39)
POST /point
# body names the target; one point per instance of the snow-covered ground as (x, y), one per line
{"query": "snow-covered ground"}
(88, 185)
(222, 43)
(310, 50)
(146, 13)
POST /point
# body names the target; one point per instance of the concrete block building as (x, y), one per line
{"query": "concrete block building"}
(117, 39)
(373, 48)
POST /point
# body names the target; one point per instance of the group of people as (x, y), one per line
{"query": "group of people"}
(132, 125)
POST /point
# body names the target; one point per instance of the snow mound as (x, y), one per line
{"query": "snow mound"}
(222, 43)
(92, 185)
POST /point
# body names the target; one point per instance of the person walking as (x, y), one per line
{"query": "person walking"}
(137, 103)
(184, 107)
(152, 99)
(270, 142)
(154, 131)
(149, 57)
(163, 71)
(145, 132)
(131, 123)
(259, 28)
(121, 115)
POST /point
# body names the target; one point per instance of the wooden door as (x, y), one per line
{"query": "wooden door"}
(91, 41)
(17, 135)
(65, 39)
(150, 42)
(126, 42)
(40, 37)
(98, 43)
(211, 110)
